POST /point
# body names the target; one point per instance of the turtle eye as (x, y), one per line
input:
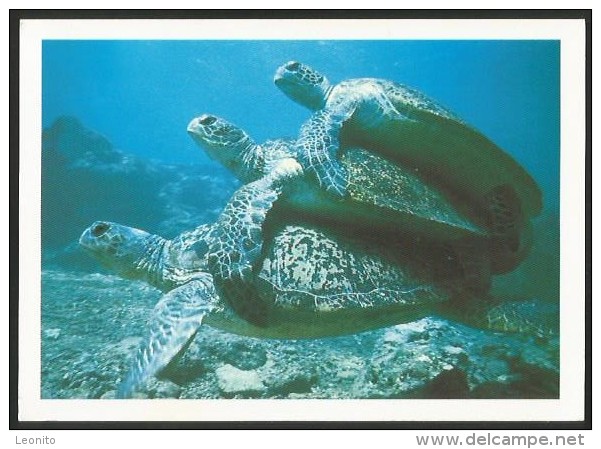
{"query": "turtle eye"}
(293, 66)
(207, 120)
(99, 229)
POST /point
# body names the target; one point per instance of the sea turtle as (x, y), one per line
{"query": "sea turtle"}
(410, 128)
(310, 282)
(381, 196)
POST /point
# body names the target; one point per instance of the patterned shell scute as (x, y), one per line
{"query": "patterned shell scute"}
(306, 270)
(404, 97)
(398, 189)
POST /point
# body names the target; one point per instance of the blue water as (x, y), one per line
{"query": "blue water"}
(142, 94)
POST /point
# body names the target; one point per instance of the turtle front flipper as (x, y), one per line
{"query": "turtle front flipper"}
(236, 240)
(317, 149)
(174, 323)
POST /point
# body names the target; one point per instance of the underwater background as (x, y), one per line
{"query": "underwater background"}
(115, 148)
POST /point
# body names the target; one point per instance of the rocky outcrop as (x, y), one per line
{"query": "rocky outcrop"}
(84, 178)
(92, 324)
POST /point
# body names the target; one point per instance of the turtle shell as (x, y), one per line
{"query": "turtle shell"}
(313, 276)
(424, 135)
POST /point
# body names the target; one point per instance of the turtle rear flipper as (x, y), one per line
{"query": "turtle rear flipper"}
(236, 241)
(533, 317)
(529, 317)
(511, 237)
(174, 323)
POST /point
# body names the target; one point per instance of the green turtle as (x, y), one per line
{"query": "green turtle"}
(380, 195)
(308, 282)
(408, 127)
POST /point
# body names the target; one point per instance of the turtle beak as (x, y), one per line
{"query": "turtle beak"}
(95, 231)
(199, 123)
(279, 75)
(193, 125)
(284, 71)
(200, 132)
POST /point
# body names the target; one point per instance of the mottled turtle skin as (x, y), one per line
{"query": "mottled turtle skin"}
(408, 127)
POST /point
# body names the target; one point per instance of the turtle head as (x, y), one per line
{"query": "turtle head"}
(131, 253)
(224, 142)
(303, 84)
